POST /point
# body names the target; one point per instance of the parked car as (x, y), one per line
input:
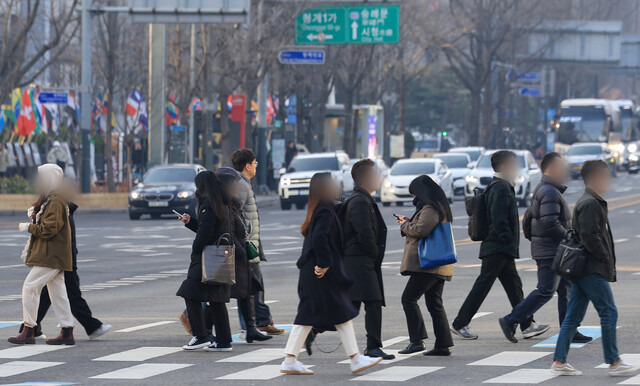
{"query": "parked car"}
(474, 152)
(381, 167)
(164, 189)
(395, 187)
(581, 152)
(528, 178)
(293, 187)
(458, 163)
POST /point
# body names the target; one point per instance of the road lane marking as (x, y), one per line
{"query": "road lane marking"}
(5, 324)
(620, 240)
(392, 341)
(260, 373)
(262, 355)
(632, 359)
(21, 352)
(396, 374)
(145, 326)
(592, 331)
(480, 315)
(139, 354)
(287, 243)
(10, 369)
(528, 376)
(142, 371)
(510, 358)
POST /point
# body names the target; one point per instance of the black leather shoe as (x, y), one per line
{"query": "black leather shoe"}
(509, 330)
(579, 338)
(413, 347)
(254, 334)
(378, 353)
(438, 352)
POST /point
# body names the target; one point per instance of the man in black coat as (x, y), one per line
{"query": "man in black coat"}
(365, 235)
(500, 248)
(549, 220)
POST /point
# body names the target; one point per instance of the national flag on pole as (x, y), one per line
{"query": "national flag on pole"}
(2, 120)
(26, 120)
(133, 104)
(53, 118)
(143, 114)
(16, 104)
(172, 114)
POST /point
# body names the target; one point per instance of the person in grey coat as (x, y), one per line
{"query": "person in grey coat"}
(244, 161)
(5, 160)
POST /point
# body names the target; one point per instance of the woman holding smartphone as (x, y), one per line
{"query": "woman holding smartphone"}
(432, 208)
(213, 221)
(323, 284)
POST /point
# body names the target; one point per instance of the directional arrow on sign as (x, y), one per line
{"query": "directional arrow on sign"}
(354, 30)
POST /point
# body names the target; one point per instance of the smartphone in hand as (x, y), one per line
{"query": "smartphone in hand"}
(181, 217)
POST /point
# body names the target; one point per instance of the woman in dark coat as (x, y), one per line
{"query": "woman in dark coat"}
(323, 285)
(242, 289)
(432, 208)
(213, 222)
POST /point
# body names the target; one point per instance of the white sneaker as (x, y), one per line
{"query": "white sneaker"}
(103, 329)
(296, 368)
(564, 369)
(360, 363)
(622, 369)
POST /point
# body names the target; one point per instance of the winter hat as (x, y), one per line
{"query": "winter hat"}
(50, 177)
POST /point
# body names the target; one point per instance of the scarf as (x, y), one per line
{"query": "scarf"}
(502, 177)
(418, 203)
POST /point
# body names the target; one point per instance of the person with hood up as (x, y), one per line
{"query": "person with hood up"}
(432, 208)
(48, 254)
(58, 155)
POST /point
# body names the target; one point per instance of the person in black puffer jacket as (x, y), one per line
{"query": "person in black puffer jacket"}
(549, 220)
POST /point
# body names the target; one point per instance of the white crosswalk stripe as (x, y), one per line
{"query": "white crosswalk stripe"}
(144, 326)
(26, 351)
(510, 358)
(528, 376)
(260, 373)
(397, 374)
(20, 367)
(262, 355)
(142, 371)
(139, 354)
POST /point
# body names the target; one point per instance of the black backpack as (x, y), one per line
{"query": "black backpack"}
(476, 206)
(341, 210)
(570, 259)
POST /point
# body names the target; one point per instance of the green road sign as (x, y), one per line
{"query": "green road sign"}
(366, 24)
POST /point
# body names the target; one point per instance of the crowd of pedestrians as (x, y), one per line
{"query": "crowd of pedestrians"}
(340, 266)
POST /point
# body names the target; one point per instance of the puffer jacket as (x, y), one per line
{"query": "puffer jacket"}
(550, 219)
(250, 212)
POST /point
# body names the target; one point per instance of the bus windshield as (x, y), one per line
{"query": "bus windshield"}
(582, 124)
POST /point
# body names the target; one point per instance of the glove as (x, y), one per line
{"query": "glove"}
(30, 212)
(24, 227)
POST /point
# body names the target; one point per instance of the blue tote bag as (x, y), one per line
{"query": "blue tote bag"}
(438, 248)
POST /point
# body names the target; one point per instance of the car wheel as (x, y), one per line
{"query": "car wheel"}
(285, 205)
(400, 203)
(300, 205)
(633, 172)
(386, 204)
(134, 216)
(451, 200)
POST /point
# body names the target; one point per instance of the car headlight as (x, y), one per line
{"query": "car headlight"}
(471, 179)
(135, 195)
(633, 158)
(520, 179)
(184, 194)
(285, 181)
(387, 184)
(632, 148)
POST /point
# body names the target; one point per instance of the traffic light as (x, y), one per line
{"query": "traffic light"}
(445, 133)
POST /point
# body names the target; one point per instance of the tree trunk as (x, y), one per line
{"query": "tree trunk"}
(349, 132)
(474, 119)
(108, 140)
(487, 114)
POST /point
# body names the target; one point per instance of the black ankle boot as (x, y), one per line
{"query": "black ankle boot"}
(254, 334)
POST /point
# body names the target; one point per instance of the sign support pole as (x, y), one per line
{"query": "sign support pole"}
(156, 94)
(85, 119)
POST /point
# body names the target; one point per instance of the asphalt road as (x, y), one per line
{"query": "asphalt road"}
(130, 271)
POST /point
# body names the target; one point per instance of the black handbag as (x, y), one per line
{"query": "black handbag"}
(569, 262)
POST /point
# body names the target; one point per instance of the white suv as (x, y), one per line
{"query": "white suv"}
(294, 183)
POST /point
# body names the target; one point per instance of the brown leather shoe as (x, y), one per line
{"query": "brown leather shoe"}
(26, 336)
(185, 323)
(272, 330)
(65, 338)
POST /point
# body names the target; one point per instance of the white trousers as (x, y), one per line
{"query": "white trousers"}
(299, 333)
(37, 278)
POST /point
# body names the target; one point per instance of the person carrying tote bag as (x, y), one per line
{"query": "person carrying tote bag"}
(433, 214)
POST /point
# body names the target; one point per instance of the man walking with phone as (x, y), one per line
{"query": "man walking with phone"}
(365, 235)
(591, 223)
(244, 161)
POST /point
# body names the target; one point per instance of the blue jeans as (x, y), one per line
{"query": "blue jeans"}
(548, 284)
(596, 289)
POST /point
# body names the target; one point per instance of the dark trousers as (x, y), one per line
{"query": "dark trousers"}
(218, 316)
(499, 266)
(79, 307)
(261, 311)
(372, 322)
(548, 284)
(431, 287)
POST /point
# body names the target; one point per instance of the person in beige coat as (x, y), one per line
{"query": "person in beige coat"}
(432, 208)
(48, 254)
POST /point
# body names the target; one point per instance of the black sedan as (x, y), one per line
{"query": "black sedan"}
(164, 189)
